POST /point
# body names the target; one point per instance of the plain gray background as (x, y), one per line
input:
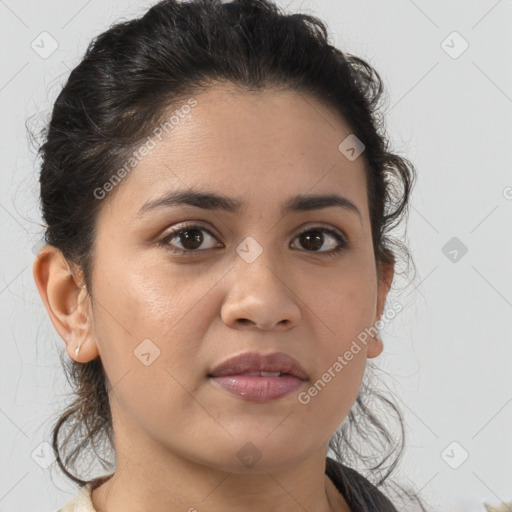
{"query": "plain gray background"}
(447, 355)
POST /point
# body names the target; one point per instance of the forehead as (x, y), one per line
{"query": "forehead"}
(265, 144)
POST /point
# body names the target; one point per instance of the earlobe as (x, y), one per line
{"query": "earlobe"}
(375, 347)
(385, 276)
(66, 302)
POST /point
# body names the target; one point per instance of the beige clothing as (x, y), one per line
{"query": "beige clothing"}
(81, 502)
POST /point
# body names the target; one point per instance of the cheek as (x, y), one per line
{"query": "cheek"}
(342, 309)
(344, 300)
(330, 395)
(149, 321)
(148, 299)
(149, 334)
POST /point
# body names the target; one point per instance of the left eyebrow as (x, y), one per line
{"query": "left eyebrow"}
(215, 201)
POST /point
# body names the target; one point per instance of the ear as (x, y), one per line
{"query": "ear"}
(385, 275)
(67, 302)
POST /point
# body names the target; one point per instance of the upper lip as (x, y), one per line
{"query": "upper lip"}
(254, 362)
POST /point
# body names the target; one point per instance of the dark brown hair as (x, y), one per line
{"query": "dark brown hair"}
(128, 80)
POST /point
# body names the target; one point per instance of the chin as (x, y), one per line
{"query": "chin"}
(253, 456)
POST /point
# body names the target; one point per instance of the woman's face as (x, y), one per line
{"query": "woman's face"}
(162, 320)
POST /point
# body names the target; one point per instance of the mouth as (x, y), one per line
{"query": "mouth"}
(254, 374)
(259, 378)
(259, 388)
(255, 363)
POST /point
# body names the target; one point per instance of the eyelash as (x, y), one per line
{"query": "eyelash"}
(164, 242)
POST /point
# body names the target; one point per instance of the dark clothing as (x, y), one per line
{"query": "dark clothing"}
(359, 493)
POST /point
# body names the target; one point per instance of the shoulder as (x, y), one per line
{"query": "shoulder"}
(360, 494)
(81, 502)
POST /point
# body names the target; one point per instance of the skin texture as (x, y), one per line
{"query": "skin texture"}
(177, 435)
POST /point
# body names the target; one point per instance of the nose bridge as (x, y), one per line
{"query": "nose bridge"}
(259, 290)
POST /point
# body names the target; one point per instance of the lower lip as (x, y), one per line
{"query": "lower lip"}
(258, 389)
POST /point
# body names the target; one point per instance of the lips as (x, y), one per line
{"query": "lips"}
(255, 364)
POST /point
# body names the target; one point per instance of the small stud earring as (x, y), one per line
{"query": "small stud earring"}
(77, 349)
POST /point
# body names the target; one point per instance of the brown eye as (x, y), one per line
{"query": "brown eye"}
(191, 238)
(313, 239)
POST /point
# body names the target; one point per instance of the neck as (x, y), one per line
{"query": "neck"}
(176, 483)
(154, 476)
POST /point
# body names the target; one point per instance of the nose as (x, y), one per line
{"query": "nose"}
(260, 296)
